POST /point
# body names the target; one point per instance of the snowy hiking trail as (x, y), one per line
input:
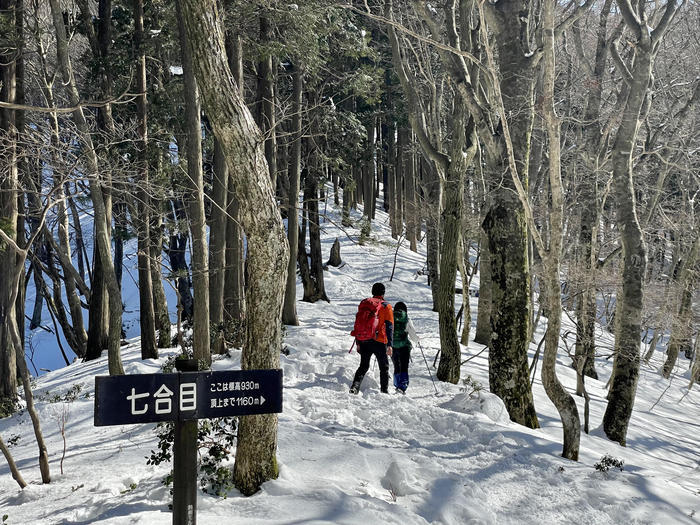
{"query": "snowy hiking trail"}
(375, 458)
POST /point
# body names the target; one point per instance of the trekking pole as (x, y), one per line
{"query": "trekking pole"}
(353, 346)
(426, 366)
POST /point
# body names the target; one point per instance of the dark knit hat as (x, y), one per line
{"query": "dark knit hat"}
(378, 289)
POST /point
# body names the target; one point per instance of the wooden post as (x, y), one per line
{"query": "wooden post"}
(185, 462)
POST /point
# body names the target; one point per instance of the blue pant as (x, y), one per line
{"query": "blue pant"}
(401, 357)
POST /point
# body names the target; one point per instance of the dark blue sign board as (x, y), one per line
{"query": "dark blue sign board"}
(148, 398)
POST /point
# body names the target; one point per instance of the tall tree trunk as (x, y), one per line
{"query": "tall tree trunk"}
(217, 251)
(432, 227)
(289, 311)
(234, 280)
(368, 183)
(628, 312)
(100, 39)
(70, 281)
(452, 222)
(200, 262)
(505, 223)
(160, 305)
(9, 188)
(410, 198)
(562, 400)
(316, 291)
(510, 310)
(584, 360)
(265, 99)
(268, 251)
(147, 320)
(391, 184)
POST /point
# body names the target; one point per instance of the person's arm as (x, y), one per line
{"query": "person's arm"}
(389, 325)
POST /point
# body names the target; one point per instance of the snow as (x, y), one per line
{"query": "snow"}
(447, 458)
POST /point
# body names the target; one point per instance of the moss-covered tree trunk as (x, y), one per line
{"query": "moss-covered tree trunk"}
(628, 312)
(510, 308)
(505, 223)
(450, 350)
(268, 251)
(463, 149)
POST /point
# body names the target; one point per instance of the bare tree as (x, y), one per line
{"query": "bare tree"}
(637, 76)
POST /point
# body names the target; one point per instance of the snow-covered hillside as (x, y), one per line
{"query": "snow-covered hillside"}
(449, 458)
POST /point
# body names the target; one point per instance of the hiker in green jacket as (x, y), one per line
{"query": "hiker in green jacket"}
(404, 333)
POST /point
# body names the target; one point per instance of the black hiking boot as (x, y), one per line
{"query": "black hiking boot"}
(355, 388)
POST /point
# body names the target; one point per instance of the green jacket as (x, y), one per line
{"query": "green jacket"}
(401, 330)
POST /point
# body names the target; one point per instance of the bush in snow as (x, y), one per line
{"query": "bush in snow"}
(608, 461)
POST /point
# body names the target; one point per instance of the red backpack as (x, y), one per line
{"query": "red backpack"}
(367, 319)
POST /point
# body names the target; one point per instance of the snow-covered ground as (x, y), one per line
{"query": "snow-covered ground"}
(450, 458)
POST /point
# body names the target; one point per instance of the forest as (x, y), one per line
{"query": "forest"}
(551, 148)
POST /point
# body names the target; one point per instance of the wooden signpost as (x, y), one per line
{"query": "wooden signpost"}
(183, 398)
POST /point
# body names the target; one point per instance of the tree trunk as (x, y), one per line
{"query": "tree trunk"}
(71, 280)
(368, 183)
(265, 100)
(451, 223)
(432, 227)
(217, 251)
(200, 257)
(584, 360)
(289, 311)
(234, 279)
(483, 314)
(9, 188)
(147, 320)
(681, 327)
(317, 289)
(409, 176)
(99, 329)
(564, 403)
(16, 474)
(510, 307)
(160, 305)
(628, 312)
(505, 223)
(268, 251)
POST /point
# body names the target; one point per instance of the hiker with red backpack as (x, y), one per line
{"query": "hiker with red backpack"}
(373, 332)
